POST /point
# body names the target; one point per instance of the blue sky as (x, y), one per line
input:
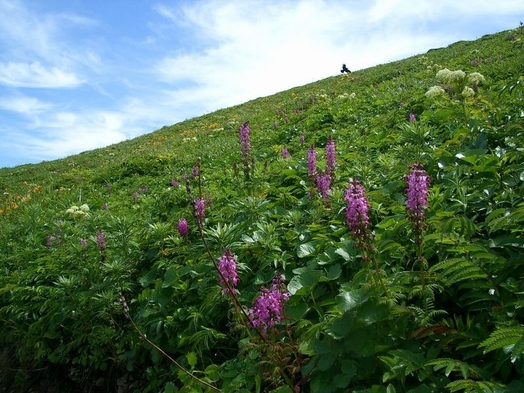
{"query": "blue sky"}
(81, 74)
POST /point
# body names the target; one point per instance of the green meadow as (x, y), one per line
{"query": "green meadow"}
(202, 257)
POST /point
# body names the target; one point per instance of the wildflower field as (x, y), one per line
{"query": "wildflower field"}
(363, 233)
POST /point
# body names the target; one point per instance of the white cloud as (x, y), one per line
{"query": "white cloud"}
(65, 133)
(36, 75)
(24, 105)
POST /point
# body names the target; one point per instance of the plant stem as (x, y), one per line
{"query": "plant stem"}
(182, 368)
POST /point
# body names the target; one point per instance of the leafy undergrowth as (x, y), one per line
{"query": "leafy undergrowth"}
(362, 233)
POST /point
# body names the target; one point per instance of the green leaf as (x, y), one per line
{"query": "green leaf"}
(296, 311)
(334, 272)
(212, 372)
(191, 359)
(169, 388)
(306, 249)
(170, 277)
(351, 299)
(343, 253)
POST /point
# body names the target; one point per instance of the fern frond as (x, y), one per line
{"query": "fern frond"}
(509, 338)
(467, 385)
(450, 365)
(458, 269)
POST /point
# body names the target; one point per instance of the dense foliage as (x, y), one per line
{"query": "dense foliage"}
(363, 233)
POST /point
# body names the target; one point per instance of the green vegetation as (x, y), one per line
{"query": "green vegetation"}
(423, 298)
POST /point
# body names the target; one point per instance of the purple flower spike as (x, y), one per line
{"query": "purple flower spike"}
(245, 139)
(227, 265)
(268, 307)
(323, 184)
(417, 192)
(200, 208)
(311, 161)
(285, 153)
(101, 240)
(357, 210)
(182, 227)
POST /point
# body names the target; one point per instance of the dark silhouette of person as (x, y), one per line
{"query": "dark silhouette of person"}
(345, 69)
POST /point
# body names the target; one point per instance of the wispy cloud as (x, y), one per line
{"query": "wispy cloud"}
(36, 75)
(24, 105)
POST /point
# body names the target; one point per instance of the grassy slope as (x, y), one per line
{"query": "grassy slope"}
(373, 144)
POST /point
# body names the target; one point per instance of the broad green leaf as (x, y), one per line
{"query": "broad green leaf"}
(191, 359)
(306, 249)
(348, 300)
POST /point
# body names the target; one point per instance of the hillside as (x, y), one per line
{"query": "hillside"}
(361, 233)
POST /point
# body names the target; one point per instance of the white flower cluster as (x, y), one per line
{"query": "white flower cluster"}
(451, 77)
(346, 95)
(476, 78)
(78, 212)
(468, 92)
(435, 91)
(456, 81)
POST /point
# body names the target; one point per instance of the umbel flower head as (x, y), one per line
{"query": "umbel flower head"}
(78, 212)
(357, 211)
(227, 266)
(268, 307)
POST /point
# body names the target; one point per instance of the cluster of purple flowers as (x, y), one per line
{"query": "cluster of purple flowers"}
(312, 161)
(200, 208)
(245, 147)
(323, 183)
(268, 307)
(227, 266)
(182, 227)
(195, 172)
(285, 153)
(357, 211)
(101, 240)
(417, 195)
(322, 180)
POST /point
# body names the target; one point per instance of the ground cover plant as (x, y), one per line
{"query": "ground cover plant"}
(363, 233)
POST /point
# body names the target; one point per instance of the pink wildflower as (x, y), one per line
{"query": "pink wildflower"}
(182, 227)
(357, 210)
(227, 265)
(268, 307)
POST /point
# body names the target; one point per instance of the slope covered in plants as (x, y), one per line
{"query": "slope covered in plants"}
(361, 233)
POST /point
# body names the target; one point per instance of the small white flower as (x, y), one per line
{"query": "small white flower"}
(84, 208)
